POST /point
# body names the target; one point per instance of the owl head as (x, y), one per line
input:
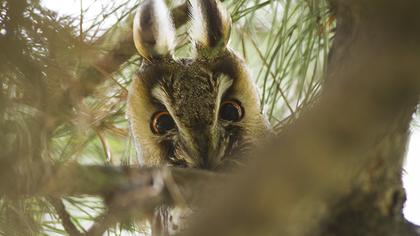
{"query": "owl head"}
(190, 112)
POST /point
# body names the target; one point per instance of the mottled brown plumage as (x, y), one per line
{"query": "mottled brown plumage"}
(191, 93)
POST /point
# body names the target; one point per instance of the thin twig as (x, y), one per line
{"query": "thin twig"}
(65, 217)
(106, 220)
(81, 21)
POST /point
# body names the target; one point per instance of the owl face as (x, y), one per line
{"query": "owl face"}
(190, 112)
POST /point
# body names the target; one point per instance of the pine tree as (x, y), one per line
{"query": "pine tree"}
(338, 81)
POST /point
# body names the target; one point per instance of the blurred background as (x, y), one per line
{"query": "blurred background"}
(66, 65)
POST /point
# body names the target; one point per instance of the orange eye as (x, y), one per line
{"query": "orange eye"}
(162, 122)
(231, 110)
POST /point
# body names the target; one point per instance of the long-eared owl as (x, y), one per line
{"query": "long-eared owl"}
(190, 112)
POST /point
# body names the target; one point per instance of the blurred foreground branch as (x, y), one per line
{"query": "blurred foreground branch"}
(54, 181)
(127, 191)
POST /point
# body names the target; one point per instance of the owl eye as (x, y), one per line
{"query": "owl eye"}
(162, 122)
(231, 110)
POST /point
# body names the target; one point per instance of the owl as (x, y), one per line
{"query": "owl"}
(192, 112)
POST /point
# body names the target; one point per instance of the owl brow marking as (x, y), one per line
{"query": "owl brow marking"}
(225, 82)
(159, 93)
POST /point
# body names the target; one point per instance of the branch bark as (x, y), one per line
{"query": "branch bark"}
(129, 192)
(53, 181)
(64, 217)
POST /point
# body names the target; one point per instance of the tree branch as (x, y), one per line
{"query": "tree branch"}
(128, 191)
(119, 185)
(64, 217)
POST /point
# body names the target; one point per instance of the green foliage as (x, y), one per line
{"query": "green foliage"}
(285, 43)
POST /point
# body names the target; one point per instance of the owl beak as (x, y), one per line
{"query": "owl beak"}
(204, 149)
(207, 152)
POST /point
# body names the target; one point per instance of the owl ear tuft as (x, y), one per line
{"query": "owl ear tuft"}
(153, 30)
(211, 25)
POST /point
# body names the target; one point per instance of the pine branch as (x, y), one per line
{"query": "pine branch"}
(129, 192)
(119, 185)
(64, 217)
